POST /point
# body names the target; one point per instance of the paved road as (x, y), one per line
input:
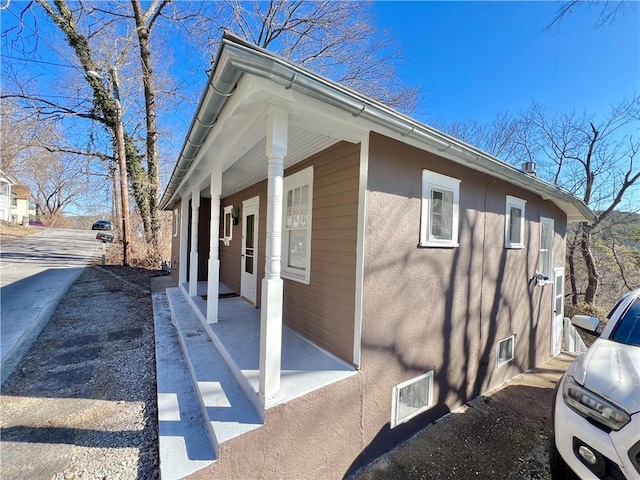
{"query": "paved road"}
(35, 272)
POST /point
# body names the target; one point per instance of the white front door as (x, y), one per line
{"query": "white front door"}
(557, 311)
(248, 264)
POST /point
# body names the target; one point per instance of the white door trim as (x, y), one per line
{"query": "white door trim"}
(249, 282)
(557, 317)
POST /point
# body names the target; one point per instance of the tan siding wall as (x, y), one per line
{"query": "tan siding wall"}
(175, 243)
(324, 310)
(445, 309)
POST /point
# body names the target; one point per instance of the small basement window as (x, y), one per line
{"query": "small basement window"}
(411, 398)
(505, 351)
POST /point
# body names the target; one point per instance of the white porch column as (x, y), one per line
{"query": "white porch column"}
(271, 300)
(184, 233)
(213, 277)
(193, 258)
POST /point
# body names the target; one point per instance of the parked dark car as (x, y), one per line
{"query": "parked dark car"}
(36, 223)
(103, 225)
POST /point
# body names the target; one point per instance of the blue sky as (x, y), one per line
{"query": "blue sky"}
(475, 59)
(472, 60)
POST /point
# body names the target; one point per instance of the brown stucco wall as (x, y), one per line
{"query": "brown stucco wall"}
(175, 242)
(313, 437)
(324, 310)
(445, 309)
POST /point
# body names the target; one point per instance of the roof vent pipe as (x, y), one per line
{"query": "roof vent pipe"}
(529, 168)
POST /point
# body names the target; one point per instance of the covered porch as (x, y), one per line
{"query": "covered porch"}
(260, 137)
(304, 366)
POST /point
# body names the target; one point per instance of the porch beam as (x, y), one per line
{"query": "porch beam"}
(271, 300)
(193, 257)
(213, 277)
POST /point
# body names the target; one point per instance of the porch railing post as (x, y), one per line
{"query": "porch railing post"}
(271, 299)
(193, 257)
(213, 277)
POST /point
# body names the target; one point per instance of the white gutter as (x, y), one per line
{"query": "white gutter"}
(238, 56)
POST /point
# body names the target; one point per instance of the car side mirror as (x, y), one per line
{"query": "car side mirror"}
(586, 323)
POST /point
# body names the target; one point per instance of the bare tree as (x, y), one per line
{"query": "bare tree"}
(595, 160)
(608, 11)
(335, 38)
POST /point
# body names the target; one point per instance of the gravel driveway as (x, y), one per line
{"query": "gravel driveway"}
(82, 403)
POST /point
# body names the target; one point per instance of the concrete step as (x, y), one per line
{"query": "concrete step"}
(183, 438)
(225, 408)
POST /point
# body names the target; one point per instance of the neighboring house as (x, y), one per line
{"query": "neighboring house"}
(428, 269)
(6, 183)
(21, 205)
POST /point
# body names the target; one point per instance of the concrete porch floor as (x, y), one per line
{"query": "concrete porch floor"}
(304, 367)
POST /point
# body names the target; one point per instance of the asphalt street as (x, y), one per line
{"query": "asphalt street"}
(35, 272)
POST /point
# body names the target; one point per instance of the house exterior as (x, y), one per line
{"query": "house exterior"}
(430, 268)
(21, 207)
(5, 196)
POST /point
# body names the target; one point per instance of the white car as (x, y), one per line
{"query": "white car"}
(596, 410)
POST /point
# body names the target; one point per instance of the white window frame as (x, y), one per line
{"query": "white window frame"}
(546, 277)
(502, 361)
(395, 421)
(436, 181)
(176, 223)
(291, 182)
(227, 212)
(513, 202)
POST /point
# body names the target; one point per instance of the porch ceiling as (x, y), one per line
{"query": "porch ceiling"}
(237, 143)
(252, 166)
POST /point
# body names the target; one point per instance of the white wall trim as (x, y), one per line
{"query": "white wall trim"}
(360, 250)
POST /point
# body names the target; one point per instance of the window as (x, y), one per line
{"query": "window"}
(514, 223)
(439, 217)
(227, 224)
(296, 228)
(176, 222)
(505, 351)
(14, 199)
(545, 261)
(411, 398)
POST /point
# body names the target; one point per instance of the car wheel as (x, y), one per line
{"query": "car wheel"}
(559, 468)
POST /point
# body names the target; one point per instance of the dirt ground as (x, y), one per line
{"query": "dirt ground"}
(503, 434)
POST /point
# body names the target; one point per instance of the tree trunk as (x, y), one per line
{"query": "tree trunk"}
(572, 273)
(592, 271)
(153, 178)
